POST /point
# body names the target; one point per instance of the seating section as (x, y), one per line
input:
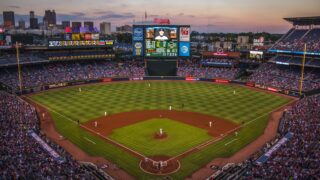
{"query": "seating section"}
(295, 40)
(22, 157)
(285, 77)
(56, 72)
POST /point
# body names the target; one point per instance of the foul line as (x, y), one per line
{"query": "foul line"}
(199, 147)
(89, 140)
(92, 131)
(230, 142)
(203, 145)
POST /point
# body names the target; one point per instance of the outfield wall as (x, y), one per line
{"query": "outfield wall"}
(171, 78)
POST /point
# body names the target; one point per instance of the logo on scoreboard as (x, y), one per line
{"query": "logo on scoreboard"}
(184, 33)
(137, 34)
(137, 50)
(184, 49)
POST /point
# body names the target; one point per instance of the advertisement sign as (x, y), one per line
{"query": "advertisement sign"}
(137, 34)
(224, 81)
(256, 54)
(109, 42)
(184, 33)
(250, 84)
(94, 36)
(161, 21)
(192, 79)
(75, 37)
(258, 42)
(68, 36)
(272, 89)
(87, 36)
(57, 85)
(264, 158)
(58, 43)
(138, 49)
(106, 80)
(8, 39)
(184, 49)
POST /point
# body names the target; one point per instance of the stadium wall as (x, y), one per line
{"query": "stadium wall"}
(172, 78)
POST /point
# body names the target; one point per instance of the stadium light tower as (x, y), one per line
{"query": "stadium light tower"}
(18, 45)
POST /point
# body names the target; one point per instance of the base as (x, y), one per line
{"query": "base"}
(158, 165)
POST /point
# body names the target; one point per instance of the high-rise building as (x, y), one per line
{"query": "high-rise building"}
(105, 28)
(124, 29)
(8, 19)
(76, 26)
(65, 24)
(31, 14)
(33, 21)
(88, 25)
(50, 18)
(22, 24)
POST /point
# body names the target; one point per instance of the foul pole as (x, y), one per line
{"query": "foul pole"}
(302, 68)
(19, 67)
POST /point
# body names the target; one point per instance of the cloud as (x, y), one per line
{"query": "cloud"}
(72, 17)
(14, 7)
(78, 13)
(153, 15)
(112, 15)
(186, 15)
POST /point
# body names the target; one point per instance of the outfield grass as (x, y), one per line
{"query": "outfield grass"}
(180, 137)
(245, 106)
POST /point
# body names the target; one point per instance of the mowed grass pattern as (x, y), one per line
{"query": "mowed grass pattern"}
(213, 99)
(180, 137)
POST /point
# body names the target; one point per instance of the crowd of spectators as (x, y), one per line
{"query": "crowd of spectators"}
(56, 72)
(295, 41)
(21, 157)
(299, 157)
(270, 74)
(196, 69)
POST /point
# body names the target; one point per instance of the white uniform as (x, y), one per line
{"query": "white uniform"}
(161, 38)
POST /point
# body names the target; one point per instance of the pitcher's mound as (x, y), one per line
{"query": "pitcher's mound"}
(158, 165)
(160, 136)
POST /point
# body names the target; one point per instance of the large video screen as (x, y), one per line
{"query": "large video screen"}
(161, 41)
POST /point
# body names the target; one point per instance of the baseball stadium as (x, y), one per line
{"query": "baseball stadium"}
(83, 105)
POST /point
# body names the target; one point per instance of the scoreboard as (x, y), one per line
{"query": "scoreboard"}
(79, 40)
(161, 41)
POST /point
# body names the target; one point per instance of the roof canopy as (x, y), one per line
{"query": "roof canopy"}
(303, 21)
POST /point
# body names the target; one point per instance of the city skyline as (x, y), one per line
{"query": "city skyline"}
(203, 16)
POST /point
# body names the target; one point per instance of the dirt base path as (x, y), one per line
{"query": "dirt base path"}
(49, 129)
(269, 134)
(110, 122)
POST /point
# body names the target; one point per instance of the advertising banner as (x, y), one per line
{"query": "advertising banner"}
(138, 49)
(137, 34)
(95, 36)
(224, 81)
(184, 33)
(192, 79)
(184, 49)
(106, 80)
(264, 158)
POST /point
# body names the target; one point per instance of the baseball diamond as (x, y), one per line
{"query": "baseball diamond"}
(136, 110)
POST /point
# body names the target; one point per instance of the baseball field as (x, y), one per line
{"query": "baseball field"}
(121, 121)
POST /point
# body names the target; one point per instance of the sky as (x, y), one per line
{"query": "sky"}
(202, 15)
